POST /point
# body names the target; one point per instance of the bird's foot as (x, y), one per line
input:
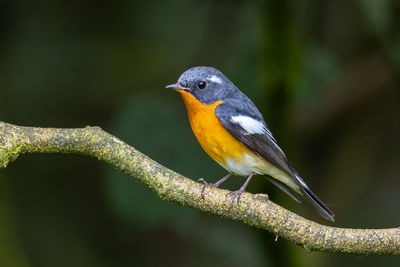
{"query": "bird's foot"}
(215, 185)
(206, 184)
(235, 195)
(238, 193)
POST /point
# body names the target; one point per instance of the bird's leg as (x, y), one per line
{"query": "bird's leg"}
(217, 184)
(236, 194)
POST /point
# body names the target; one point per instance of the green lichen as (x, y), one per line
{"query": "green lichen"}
(9, 155)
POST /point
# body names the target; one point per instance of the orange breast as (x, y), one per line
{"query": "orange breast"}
(211, 134)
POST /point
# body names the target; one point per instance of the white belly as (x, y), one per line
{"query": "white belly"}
(244, 167)
(253, 163)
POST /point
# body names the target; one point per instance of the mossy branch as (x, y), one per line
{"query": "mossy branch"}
(254, 210)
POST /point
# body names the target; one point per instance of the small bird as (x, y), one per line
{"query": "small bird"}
(232, 131)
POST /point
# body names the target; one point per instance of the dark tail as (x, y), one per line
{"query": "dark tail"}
(317, 203)
(306, 193)
(320, 206)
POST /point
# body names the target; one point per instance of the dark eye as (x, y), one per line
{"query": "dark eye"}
(201, 84)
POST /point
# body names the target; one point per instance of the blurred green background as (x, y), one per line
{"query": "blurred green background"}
(325, 74)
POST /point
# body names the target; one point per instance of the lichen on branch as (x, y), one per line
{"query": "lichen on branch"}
(253, 209)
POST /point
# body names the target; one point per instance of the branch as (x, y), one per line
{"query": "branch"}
(255, 210)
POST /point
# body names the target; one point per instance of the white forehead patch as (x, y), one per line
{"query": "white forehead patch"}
(215, 79)
(250, 125)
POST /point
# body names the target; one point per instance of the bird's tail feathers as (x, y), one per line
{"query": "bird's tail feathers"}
(306, 193)
(321, 207)
(284, 188)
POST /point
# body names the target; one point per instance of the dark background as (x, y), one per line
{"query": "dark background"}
(325, 74)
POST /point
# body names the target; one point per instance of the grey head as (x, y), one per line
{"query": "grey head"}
(206, 84)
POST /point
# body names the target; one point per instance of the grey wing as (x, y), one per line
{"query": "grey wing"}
(245, 123)
(261, 142)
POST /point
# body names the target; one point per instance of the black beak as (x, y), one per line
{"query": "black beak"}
(177, 86)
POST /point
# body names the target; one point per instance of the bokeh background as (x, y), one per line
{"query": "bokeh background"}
(325, 74)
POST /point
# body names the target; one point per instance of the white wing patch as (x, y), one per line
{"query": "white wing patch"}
(215, 79)
(253, 126)
(250, 125)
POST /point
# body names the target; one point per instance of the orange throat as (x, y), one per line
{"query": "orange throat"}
(211, 134)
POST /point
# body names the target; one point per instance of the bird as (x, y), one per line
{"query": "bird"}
(232, 131)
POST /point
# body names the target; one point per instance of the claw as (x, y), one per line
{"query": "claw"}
(216, 185)
(201, 180)
(236, 195)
